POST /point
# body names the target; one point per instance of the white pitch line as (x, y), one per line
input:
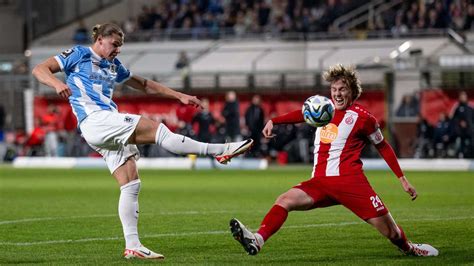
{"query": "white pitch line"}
(27, 220)
(57, 218)
(64, 241)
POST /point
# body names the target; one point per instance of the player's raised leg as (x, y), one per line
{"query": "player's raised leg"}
(149, 131)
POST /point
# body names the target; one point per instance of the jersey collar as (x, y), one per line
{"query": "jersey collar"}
(94, 55)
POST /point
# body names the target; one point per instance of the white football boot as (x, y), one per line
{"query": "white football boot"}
(233, 149)
(142, 253)
(421, 250)
(246, 238)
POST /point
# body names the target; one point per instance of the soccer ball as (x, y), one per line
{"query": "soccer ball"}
(318, 111)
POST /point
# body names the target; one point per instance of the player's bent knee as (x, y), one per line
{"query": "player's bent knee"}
(145, 132)
(291, 202)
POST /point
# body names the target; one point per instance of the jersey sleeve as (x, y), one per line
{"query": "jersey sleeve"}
(372, 129)
(123, 74)
(68, 59)
(289, 118)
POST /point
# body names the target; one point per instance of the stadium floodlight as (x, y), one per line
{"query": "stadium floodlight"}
(401, 49)
(394, 54)
(404, 46)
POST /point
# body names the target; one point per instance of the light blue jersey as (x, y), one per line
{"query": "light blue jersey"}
(92, 80)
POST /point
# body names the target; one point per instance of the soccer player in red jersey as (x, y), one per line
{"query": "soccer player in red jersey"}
(337, 176)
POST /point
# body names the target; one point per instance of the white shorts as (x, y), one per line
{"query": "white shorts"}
(108, 133)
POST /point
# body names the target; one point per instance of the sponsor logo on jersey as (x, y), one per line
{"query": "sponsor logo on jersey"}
(329, 133)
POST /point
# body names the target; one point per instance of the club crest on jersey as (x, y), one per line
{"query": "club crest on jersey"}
(329, 133)
(349, 120)
(113, 69)
(378, 136)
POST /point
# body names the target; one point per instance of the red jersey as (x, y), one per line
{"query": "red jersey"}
(337, 146)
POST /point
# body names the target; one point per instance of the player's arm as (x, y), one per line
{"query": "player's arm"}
(289, 118)
(153, 87)
(386, 151)
(44, 72)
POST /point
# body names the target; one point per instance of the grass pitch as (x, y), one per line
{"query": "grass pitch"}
(70, 217)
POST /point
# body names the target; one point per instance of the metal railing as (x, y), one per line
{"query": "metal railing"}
(361, 11)
(41, 18)
(268, 34)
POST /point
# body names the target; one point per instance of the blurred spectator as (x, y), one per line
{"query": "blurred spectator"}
(299, 149)
(33, 144)
(469, 19)
(408, 107)
(333, 11)
(185, 129)
(205, 120)
(129, 25)
(145, 19)
(280, 146)
(442, 136)
(183, 60)
(423, 144)
(81, 34)
(71, 139)
(50, 124)
(399, 28)
(216, 18)
(211, 18)
(456, 14)
(462, 120)
(254, 120)
(21, 67)
(231, 114)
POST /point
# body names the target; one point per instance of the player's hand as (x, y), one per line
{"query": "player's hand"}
(191, 100)
(267, 130)
(63, 90)
(408, 187)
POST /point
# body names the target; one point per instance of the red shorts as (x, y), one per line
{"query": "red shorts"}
(353, 192)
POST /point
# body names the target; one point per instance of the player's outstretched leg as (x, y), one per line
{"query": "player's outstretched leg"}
(233, 149)
(142, 253)
(180, 144)
(421, 250)
(246, 238)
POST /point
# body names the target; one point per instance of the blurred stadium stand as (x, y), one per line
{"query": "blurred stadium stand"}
(430, 64)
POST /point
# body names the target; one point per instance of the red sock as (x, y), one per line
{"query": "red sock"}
(272, 221)
(402, 242)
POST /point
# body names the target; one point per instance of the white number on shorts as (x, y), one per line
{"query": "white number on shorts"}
(376, 201)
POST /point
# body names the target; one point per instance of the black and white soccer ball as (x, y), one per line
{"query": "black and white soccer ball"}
(318, 111)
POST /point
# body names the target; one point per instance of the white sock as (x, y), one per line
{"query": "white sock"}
(259, 239)
(128, 212)
(180, 144)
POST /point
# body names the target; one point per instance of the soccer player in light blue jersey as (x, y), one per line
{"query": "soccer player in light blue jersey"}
(91, 74)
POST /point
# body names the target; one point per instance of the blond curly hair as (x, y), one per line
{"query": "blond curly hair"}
(348, 75)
